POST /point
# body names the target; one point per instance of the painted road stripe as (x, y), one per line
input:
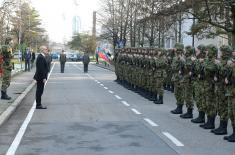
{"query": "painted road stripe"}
(150, 122)
(21, 132)
(105, 88)
(101, 84)
(173, 139)
(118, 97)
(111, 92)
(98, 82)
(125, 103)
(136, 111)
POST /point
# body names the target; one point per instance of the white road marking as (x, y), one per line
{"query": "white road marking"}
(136, 111)
(12, 149)
(98, 82)
(173, 139)
(150, 122)
(101, 84)
(118, 97)
(105, 88)
(125, 103)
(111, 92)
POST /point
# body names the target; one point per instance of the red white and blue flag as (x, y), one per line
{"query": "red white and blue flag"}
(103, 53)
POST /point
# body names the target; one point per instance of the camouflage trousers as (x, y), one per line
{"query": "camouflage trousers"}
(159, 86)
(6, 79)
(199, 93)
(221, 102)
(209, 105)
(231, 109)
(179, 93)
(188, 94)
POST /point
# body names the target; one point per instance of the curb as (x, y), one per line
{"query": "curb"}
(11, 109)
(108, 68)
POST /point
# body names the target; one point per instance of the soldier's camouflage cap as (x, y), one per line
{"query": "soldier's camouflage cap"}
(201, 47)
(179, 46)
(212, 50)
(226, 50)
(189, 50)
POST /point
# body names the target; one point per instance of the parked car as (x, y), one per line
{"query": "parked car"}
(55, 55)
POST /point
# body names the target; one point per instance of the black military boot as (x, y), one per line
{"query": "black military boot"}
(200, 118)
(160, 100)
(155, 98)
(168, 87)
(222, 129)
(210, 124)
(4, 96)
(164, 86)
(178, 109)
(172, 88)
(188, 114)
(152, 96)
(231, 138)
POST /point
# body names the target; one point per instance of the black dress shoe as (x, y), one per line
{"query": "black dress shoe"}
(41, 107)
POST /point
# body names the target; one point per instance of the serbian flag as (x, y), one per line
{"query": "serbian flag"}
(103, 54)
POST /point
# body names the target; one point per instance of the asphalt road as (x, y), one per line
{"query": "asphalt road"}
(90, 114)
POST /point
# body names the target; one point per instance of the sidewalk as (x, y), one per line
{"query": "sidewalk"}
(20, 85)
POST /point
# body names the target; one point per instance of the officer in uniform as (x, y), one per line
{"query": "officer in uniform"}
(185, 71)
(160, 75)
(177, 78)
(221, 103)
(198, 84)
(210, 70)
(230, 95)
(7, 68)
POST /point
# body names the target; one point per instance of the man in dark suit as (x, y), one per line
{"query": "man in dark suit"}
(41, 75)
(86, 61)
(62, 61)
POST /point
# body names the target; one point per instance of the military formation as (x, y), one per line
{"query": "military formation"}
(202, 77)
(6, 67)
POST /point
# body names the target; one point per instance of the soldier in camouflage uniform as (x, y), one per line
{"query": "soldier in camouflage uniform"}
(210, 70)
(221, 100)
(198, 84)
(168, 81)
(160, 75)
(187, 82)
(230, 95)
(7, 67)
(177, 78)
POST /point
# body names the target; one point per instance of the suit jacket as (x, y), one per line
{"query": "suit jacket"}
(86, 59)
(41, 68)
(62, 58)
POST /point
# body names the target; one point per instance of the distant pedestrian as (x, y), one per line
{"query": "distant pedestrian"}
(86, 61)
(48, 60)
(62, 61)
(41, 75)
(27, 58)
(33, 59)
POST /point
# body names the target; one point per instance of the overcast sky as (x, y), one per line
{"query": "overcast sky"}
(57, 16)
